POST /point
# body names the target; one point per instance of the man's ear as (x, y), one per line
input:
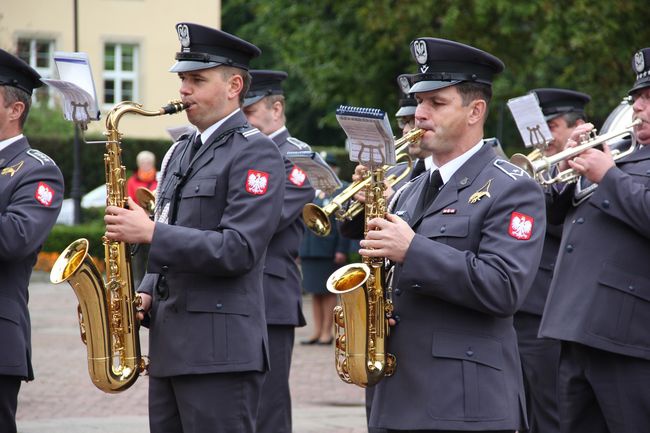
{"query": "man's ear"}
(16, 110)
(478, 108)
(235, 85)
(277, 109)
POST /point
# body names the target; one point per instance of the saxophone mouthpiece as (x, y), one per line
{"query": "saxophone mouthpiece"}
(174, 106)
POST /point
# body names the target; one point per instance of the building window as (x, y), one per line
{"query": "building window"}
(120, 73)
(38, 54)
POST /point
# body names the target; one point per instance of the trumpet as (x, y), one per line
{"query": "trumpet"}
(317, 219)
(539, 167)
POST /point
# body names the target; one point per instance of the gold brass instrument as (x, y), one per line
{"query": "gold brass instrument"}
(361, 319)
(145, 199)
(107, 310)
(317, 219)
(538, 168)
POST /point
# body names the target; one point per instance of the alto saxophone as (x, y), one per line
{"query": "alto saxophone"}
(107, 310)
(361, 318)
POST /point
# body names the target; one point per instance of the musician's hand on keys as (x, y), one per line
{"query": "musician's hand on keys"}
(131, 225)
(576, 137)
(593, 163)
(389, 237)
(360, 173)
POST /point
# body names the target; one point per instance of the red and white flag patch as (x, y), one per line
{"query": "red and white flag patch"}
(257, 182)
(521, 226)
(44, 194)
(297, 176)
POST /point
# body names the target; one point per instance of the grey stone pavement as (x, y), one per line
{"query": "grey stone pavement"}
(62, 399)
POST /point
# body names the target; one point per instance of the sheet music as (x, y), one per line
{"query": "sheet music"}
(320, 175)
(530, 121)
(76, 86)
(369, 135)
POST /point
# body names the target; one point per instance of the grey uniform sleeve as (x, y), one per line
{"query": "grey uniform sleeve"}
(621, 197)
(32, 210)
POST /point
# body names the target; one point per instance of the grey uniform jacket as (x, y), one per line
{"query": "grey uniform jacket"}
(205, 271)
(31, 193)
(600, 294)
(282, 282)
(466, 272)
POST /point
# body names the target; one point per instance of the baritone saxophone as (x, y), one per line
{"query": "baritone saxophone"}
(107, 309)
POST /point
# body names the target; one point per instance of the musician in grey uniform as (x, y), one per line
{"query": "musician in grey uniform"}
(563, 110)
(31, 193)
(466, 240)
(598, 305)
(264, 108)
(219, 202)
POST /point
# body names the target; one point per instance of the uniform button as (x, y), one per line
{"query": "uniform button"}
(196, 189)
(165, 268)
(398, 292)
(415, 286)
(631, 288)
(569, 248)
(606, 204)
(469, 352)
(219, 306)
(443, 229)
(580, 220)
(397, 318)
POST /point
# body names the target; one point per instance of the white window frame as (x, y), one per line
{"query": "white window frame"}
(44, 72)
(118, 76)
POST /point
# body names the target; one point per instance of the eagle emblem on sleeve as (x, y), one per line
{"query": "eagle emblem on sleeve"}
(257, 182)
(44, 194)
(521, 226)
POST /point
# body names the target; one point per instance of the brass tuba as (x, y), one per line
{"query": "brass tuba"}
(106, 310)
(317, 218)
(361, 319)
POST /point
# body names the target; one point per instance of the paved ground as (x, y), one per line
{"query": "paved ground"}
(63, 400)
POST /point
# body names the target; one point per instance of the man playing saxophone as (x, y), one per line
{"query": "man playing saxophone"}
(219, 202)
(598, 305)
(465, 239)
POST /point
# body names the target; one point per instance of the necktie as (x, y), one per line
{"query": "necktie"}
(429, 193)
(196, 145)
(418, 169)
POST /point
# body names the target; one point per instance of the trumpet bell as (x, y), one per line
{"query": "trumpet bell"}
(316, 219)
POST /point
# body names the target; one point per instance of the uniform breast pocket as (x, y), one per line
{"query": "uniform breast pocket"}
(447, 229)
(199, 203)
(467, 381)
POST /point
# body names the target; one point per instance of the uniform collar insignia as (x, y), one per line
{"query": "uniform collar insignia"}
(11, 170)
(482, 192)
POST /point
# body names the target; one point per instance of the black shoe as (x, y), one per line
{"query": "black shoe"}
(325, 343)
(310, 342)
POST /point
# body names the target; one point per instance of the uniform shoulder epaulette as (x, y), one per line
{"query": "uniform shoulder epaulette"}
(301, 145)
(510, 169)
(247, 132)
(40, 157)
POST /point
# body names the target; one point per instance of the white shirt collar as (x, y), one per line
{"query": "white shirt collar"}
(208, 132)
(448, 169)
(278, 132)
(5, 143)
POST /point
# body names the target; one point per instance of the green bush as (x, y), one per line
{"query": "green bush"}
(61, 236)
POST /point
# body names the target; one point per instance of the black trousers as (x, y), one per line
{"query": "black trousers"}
(274, 415)
(540, 362)
(603, 392)
(9, 387)
(198, 403)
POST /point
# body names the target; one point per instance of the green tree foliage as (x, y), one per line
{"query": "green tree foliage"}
(350, 52)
